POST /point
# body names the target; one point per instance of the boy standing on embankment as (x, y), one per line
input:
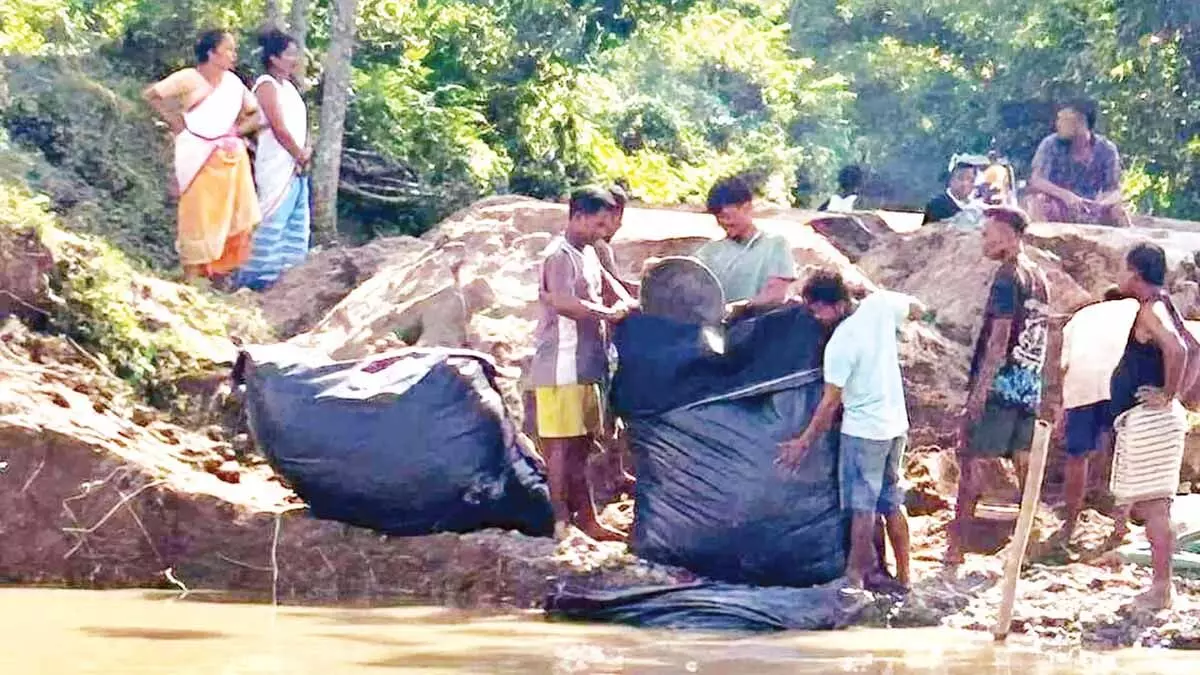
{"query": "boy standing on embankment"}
(571, 358)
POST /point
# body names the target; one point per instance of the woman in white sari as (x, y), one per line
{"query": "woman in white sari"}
(280, 163)
(218, 210)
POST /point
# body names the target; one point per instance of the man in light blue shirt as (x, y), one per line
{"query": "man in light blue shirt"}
(862, 376)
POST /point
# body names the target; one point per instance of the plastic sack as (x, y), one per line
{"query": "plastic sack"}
(409, 442)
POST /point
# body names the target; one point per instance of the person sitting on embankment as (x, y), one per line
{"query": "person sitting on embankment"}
(1077, 173)
(850, 180)
(755, 268)
(955, 198)
(1005, 384)
(862, 378)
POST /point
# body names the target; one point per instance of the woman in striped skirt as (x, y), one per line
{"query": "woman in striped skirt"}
(1151, 423)
(280, 163)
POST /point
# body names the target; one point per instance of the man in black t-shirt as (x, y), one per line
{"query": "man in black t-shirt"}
(1004, 395)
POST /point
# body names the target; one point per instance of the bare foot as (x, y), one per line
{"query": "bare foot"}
(1156, 599)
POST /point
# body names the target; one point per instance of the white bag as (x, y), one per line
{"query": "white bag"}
(1148, 453)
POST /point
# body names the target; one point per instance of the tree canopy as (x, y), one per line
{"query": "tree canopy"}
(534, 96)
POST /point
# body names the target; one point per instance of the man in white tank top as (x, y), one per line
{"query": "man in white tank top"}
(280, 163)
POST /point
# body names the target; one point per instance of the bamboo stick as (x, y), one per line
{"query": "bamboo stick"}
(1029, 503)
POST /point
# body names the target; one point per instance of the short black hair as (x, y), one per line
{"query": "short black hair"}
(587, 201)
(1085, 107)
(961, 166)
(1113, 293)
(1150, 263)
(731, 191)
(208, 41)
(850, 178)
(1014, 218)
(273, 42)
(826, 288)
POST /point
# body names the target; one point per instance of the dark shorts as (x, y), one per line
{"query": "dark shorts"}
(1002, 431)
(1085, 427)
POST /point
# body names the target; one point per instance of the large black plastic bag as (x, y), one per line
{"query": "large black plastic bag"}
(709, 496)
(408, 442)
(709, 606)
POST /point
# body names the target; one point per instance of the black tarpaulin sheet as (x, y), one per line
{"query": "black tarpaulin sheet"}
(712, 606)
(704, 430)
(408, 442)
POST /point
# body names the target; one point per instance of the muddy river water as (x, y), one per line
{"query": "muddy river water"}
(128, 633)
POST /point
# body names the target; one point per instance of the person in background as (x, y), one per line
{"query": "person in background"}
(626, 292)
(1149, 376)
(862, 377)
(1092, 344)
(282, 158)
(1077, 172)
(604, 249)
(850, 180)
(570, 358)
(956, 197)
(208, 110)
(1004, 392)
(755, 268)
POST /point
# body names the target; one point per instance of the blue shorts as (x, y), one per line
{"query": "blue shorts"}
(1085, 427)
(869, 474)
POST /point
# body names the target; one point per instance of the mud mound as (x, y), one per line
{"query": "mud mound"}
(101, 492)
(304, 295)
(946, 268)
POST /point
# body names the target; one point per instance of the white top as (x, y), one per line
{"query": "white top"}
(840, 204)
(1093, 342)
(863, 359)
(209, 121)
(273, 165)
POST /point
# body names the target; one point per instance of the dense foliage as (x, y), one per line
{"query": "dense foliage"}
(533, 96)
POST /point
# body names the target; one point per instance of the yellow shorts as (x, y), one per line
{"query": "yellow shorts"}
(568, 410)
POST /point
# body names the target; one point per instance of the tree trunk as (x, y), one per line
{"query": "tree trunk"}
(327, 162)
(298, 25)
(274, 17)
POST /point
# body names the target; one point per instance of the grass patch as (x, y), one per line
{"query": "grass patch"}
(151, 332)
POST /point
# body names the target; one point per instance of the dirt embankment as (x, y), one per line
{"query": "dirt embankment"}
(102, 491)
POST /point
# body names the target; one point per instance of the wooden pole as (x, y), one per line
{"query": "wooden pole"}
(1020, 541)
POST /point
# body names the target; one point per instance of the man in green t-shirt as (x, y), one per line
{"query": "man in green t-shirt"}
(754, 267)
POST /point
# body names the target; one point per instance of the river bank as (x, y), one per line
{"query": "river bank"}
(103, 490)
